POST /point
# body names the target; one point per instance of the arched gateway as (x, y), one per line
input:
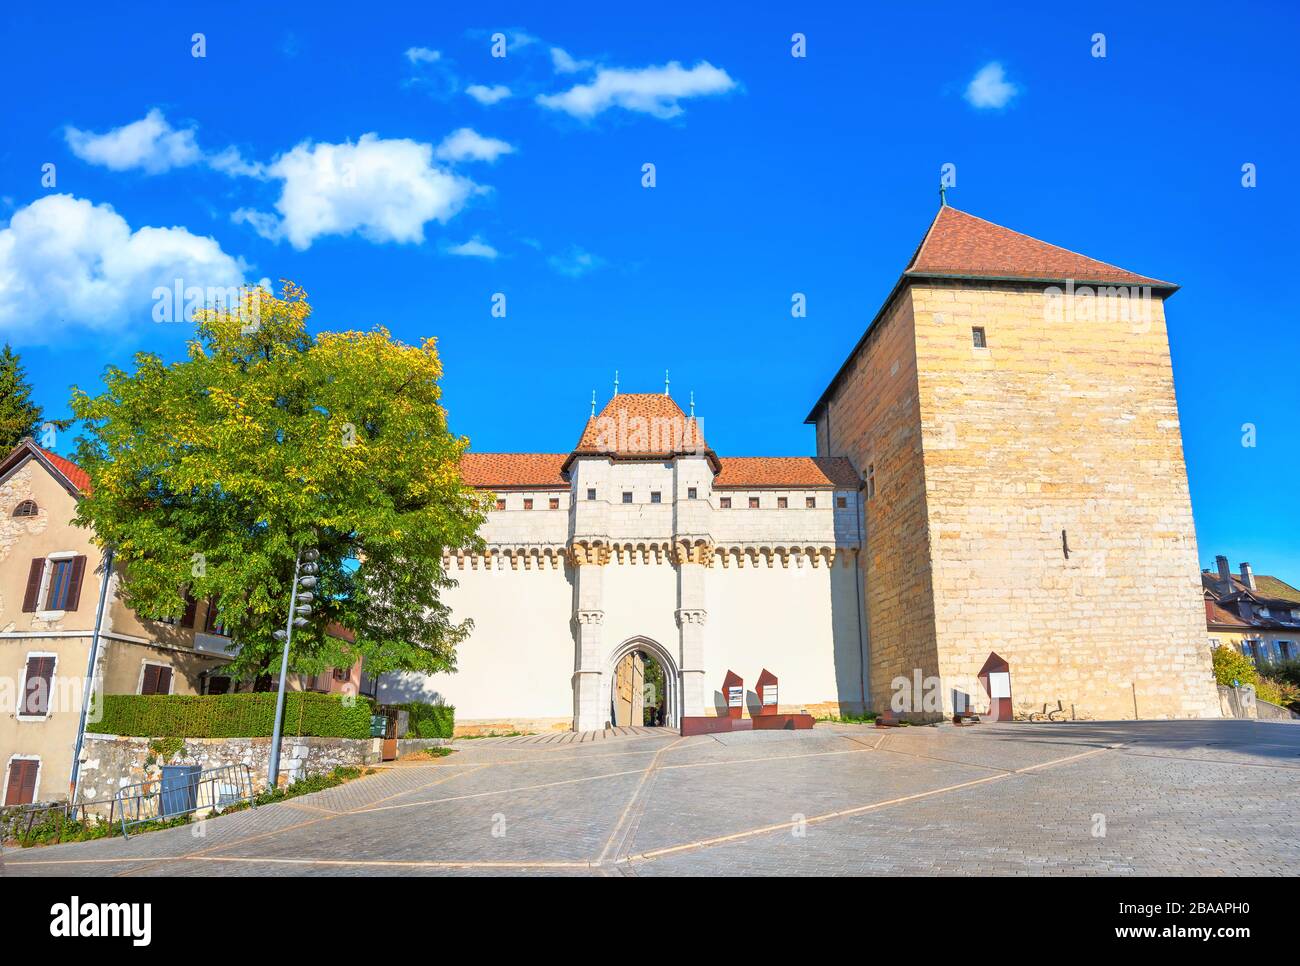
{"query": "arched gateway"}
(671, 675)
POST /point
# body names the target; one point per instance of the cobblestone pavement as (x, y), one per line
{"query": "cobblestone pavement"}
(1126, 798)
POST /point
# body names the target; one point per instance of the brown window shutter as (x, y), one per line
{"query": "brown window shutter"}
(33, 585)
(74, 588)
(149, 682)
(164, 681)
(22, 782)
(191, 606)
(36, 689)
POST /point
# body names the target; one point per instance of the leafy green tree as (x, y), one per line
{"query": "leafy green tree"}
(19, 415)
(210, 473)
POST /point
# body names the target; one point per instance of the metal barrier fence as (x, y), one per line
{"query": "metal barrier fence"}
(183, 790)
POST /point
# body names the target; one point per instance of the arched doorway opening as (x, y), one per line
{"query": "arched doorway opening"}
(641, 685)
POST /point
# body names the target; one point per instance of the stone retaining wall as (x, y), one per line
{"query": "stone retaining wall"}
(109, 762)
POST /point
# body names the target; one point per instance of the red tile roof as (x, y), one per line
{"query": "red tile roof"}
(801, 472)
(962, 245)
(641, 424)
(958, 245)
(74, 473)
(503, 471)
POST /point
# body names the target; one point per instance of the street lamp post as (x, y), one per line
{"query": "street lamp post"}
(305, 569)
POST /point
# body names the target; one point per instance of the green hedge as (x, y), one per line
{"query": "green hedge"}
(429, 720)
(306, 714)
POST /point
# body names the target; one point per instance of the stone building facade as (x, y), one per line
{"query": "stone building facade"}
(999, 476)
(643, 539)
(1012, 406)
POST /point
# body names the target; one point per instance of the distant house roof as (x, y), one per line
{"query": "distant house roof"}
(1216, 616)
(1266, 588)
(73, 477)
(795, 472)
(958, 245)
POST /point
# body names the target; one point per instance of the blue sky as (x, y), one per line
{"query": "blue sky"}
(774, 175)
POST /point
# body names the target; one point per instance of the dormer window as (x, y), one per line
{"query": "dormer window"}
(27, 508)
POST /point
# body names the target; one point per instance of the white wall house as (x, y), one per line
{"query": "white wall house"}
(642, 538)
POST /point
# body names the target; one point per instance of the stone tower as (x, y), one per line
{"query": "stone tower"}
(1011, 410)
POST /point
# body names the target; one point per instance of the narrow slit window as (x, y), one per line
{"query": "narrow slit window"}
(978, 338)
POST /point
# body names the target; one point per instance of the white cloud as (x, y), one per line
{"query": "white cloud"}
(152, 145)
(422, 55)
(476, 247)
(383, 189)
(565, 64)
(231, 162)
(468, 145)
(575, 262)
(488, 95)
(149, 143)
(989, 88)
(651, 90)
(68, 264)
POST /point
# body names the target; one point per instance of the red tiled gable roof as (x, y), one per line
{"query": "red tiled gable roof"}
(503, 471)
(799, 472)
(72, 474)
(962, 245)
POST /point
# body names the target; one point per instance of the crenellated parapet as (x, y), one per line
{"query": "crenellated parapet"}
(773, 555)
(509, 557)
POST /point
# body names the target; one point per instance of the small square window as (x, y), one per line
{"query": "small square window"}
(810, 502)
(841, 502)
(627, 496)
(656, 497)
(501, 504)
(591, 493)
(977, 337)
(782, 502)
(691, 493)
(528, 504)
(724, 502)
(555, 503)
(753, 503)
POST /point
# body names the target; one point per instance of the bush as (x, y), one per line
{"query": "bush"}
(1286, 672)
(306, 714)
(429, 720)
(1231, 665)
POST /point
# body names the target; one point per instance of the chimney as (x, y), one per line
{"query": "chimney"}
(1225, 573)
(1247, 576)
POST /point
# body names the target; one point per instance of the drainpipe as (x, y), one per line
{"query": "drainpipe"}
(862, 606)
(75, 781)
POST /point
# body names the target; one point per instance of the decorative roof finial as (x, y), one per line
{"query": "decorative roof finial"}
(665, 382)
(943, 200)
(593, 404)
(615, 382)
(692, 404)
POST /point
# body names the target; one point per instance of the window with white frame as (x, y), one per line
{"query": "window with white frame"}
(155, 678)
(54, 583)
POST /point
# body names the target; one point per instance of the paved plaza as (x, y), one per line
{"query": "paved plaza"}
(1124, 798)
